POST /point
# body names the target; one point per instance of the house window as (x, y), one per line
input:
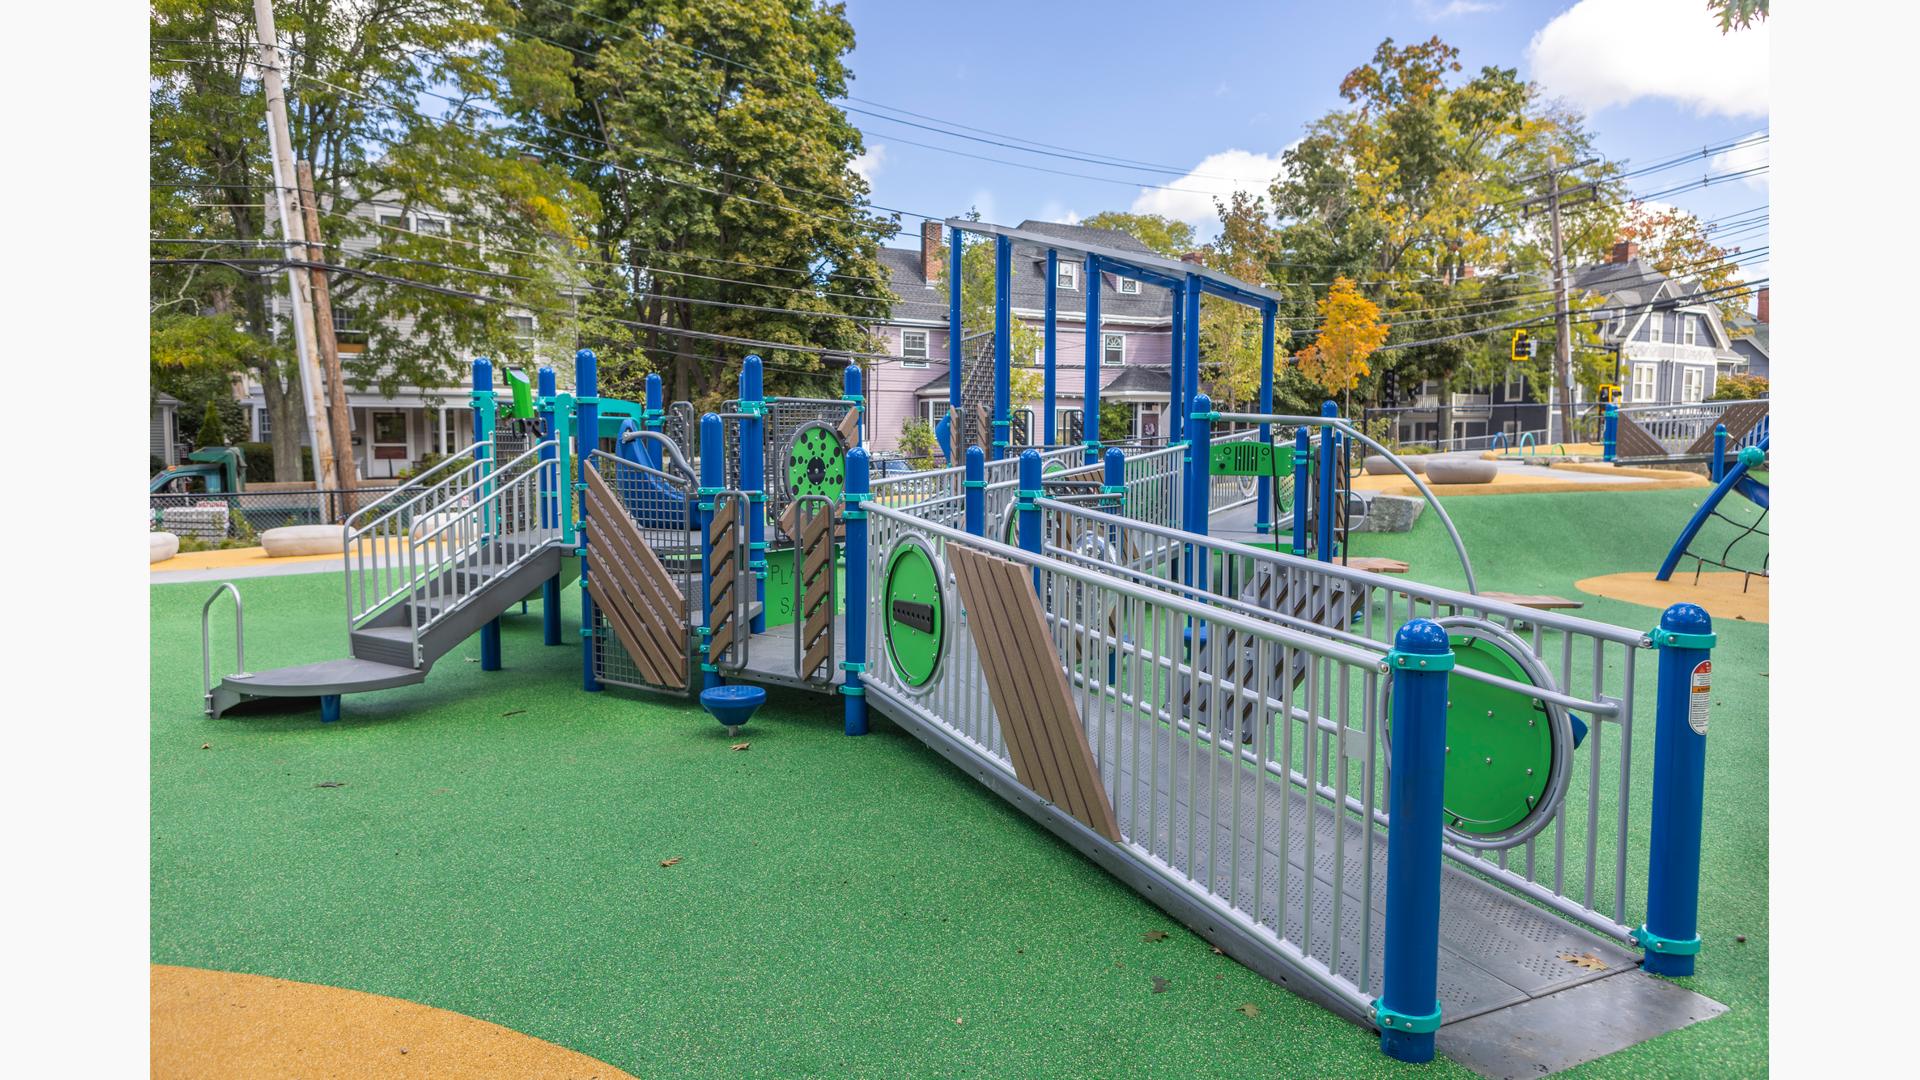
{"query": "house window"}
(1643, 383)
(1128, 287)
(265, 419)
(932, 409)
(394, 221)
(430, 226)
(1687, 330)
(1113, 348)
(914, 346)
(1069, 276)
(1656, 327)
(1693, 384)
(1066, 427)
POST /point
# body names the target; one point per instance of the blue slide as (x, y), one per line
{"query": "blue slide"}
(651, 502)
(1736, 479)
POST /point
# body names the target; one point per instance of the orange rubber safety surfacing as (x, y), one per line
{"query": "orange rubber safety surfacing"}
(219, 1024)
(1718, 591)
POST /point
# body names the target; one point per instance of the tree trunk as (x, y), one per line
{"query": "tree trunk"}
(288, 419)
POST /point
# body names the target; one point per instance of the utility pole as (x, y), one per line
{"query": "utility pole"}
(1562, 322)
(338, 430)
(293, 233)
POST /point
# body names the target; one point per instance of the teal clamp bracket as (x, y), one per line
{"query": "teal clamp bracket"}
(1094, 444)
(853, 665)
(1209, 417)
(973, 483)
(1653, 942)
(853, 691)
(855, 398)
(1001, 444)
(580, 553)
(1662, 638)
(1389, 1020)
(751, 408)
(1420, 661)
(756, 496)
(586, 400)
(586, 632)
(1113, 489)
(710, 667)
(1029, 494)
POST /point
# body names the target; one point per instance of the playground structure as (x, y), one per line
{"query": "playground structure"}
(1734, 474)
(1407, 803)
(1676, 434)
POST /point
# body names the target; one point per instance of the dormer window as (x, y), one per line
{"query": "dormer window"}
(1655, 329)
(1128, 287)
(1687, 329)
(1069, 277)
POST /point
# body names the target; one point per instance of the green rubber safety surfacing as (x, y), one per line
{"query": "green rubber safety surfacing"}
(913, 615)
(1499, 743)
(816, 464)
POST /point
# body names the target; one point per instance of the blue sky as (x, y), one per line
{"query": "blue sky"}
(1188, 89)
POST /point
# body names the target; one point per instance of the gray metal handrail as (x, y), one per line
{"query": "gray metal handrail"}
(420, 482)
(206, 642)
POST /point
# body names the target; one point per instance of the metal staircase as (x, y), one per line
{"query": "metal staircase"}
(427, 566)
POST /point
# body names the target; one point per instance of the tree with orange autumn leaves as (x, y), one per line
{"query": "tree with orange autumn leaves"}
(1350, 332)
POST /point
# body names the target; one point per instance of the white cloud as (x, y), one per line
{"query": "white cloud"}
(1600, 53)
(1192, 196)
(1054, 210)
(984, 202)
(1433, 10)
(1741, 158)
(869, 162)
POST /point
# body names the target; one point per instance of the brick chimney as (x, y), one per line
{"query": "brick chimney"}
(930, 244)
(1195, 257)
(1761, 314)
(1624, 251)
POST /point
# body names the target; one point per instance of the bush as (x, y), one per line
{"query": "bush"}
(259, 457)
(425, 464)
(918, 444)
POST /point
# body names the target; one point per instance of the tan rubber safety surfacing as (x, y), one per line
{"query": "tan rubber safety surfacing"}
(212, 1025)
(1718, 591)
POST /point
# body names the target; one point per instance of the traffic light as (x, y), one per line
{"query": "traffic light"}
(1522, 346)
(1610, 393)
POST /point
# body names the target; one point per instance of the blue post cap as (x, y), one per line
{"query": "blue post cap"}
(750, 377)
(976, 463)
(1115, 456)
(1751, 456)
(850, 379)
(857, 470)
(1684, 626)
(1329, 408)
(482, 373)
(1202, 403)
(1030, 469)
(584, 354)
(1421, 645)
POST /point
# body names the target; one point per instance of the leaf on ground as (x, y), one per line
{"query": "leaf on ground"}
(331, 783)
(1250, 1009)
(739, 746)
(473, 659)
(670, 862)
(1154, 935)
(1585, 960)
(1160, 985)
(959, 1019)
(1218, 951)
(513, 712)
(206, 746)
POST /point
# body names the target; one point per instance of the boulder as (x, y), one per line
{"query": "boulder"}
(162, 546)
(301, 540)
(1455, 470)
(1417, 462)
(1378, 465)
(1391, 513)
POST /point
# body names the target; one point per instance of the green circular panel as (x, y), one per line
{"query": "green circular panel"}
(1499, 744)
(816, 464)
(914, 615)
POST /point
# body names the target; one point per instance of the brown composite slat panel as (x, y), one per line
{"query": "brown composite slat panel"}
(1632, 441)
(662, 637)
(1738, 420)
(616, 538)
(619, 617)
(1029, 690)
(850, 429)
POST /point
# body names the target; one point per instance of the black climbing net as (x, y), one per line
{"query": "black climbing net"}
(1716, 554)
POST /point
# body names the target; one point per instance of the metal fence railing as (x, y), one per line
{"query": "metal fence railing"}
(1577, 862)
(219, 516)
(1678, 427)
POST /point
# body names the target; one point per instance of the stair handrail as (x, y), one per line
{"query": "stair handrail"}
(467, 460)
(418, 482)
(471, 472)
(206, 642)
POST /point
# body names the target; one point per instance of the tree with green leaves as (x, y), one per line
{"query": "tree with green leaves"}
(1738, 14)
(1230, 333)
(1164, 235)
(724, 174)
(444, 227)
(1417, 191)
(1679, 245)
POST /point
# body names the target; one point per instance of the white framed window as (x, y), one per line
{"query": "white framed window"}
(1113, 348)
(915, 346)
(1069, 276)
(394, 221)
(430, 225)
(265, 424)
(1656, 328)
(1688, 329)
(1128, 287)
(1644, 383)
(1693, 384)
(523, 329)
(932, 409)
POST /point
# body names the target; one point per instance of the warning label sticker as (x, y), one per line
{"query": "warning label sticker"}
(1701, 697)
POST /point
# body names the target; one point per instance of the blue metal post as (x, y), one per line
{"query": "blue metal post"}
(1190, 378)
(1328, 443)
(1177, 369)
(1718, 468)
(1610, 435)
(549, 505)
(1263, 495)
(1048, 423)
(1671, 934)
(753, 480)
(1114, 483)
(851, 390)
(955, 329)
(1302, 498)
(1090, 396)
(654, 419)
(586, 439)
(713, 477)
(974, 491)
(329, 708)
(855, 516)
(1408, 1009)
(483, 421)
(1002, 346)
(1027, 504)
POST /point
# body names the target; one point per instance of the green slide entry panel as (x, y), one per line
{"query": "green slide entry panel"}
(1499, 743)
(816, 465)
(1250, 459)
(914, 615)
